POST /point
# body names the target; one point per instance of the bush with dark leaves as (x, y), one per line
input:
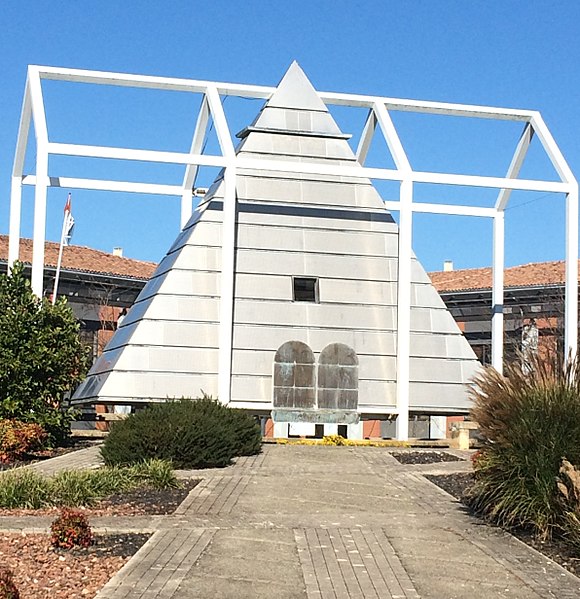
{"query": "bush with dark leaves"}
(200, 433)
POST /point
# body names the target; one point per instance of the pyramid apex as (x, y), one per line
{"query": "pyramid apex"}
(296, 92)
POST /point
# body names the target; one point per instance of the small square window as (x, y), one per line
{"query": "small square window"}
(305, 289)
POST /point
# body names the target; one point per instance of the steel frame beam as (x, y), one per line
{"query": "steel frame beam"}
(379, 107)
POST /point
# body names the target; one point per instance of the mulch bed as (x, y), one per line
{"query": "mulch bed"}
(40, 571)
(556, 548)
(424, 457)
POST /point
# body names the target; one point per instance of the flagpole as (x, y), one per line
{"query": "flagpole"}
(60, 250)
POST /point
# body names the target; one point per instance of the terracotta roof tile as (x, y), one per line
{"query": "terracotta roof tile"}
(537, 274)
(82, 259)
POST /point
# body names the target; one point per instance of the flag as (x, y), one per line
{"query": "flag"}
(69, 221)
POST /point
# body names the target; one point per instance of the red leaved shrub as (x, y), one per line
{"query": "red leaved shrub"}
(19, 438)
(8, 589)
(71, 529)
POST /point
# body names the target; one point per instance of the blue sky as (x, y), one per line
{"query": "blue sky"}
(498, 53)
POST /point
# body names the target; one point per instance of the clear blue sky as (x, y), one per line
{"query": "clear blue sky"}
(501, 53)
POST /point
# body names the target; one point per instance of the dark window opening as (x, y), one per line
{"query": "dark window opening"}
(305, 289)
(343, 431)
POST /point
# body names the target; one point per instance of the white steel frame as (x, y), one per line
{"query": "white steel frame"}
(378, 107)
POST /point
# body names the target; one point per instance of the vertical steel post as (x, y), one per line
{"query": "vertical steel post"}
(404, 262)
(39, 228)
(571, 299)
(16, 182)
(227, 286)
(497, 291)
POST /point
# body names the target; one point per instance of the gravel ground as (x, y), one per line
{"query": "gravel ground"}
(424, 457)
(41, 572)
(556, 549)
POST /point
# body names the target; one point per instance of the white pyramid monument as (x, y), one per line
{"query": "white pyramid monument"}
(315, 296)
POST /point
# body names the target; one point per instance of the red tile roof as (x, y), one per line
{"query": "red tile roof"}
(82, 259)
(537, 274)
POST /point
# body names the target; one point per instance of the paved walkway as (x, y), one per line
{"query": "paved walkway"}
(322, 523)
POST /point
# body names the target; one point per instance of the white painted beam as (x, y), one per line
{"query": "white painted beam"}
(516, 165)
(105, 185)
(219, 121)
(366, 137)
(552, 149)
(404, 261)
(392, 138)
(449, 209)
(571, 298)
(134, 154)
(40, 192)
(16, 180)
(260, 91)
(226, 327)
(243, 162)
(191, 169)
(497, 291)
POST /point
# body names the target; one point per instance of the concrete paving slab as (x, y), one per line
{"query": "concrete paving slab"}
(322, 522)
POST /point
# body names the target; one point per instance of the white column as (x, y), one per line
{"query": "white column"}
(39, 230)
(571, 301)
(16, 183)
(15, 216)
(497, 294)
(227, 286)
(404, 308)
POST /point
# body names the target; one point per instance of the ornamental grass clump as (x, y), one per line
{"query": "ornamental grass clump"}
(200, 433)
(70, 529)
(530, 419)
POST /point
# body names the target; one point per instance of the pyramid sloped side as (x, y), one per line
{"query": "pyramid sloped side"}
(331, 228)
(167, 343)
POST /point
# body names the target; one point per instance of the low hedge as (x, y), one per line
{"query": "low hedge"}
(200, 433)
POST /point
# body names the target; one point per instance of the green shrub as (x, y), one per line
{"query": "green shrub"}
(24, 488)
(19, 438)
(71, 529)
(41, 356)
(530, 418)
(199, 433)
(8, 589)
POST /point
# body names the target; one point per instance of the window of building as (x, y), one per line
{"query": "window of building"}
(305, 289)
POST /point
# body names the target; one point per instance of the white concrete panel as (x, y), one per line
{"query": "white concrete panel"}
(426, 296)
(376, 394)
(427, 370)
(425, 396)
(252, 388)
(302, 429)
(470, 369)
(170, 307)
(192, 257)
(157, 386)
(183, 282)
(355, 291)
(316, 265)
(297, 216)
(431, 320)
(325, 241)
(438, 345)
(180, 360)
(327, 315)
(271, 338)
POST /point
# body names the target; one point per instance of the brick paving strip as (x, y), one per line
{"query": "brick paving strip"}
(318, 523)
